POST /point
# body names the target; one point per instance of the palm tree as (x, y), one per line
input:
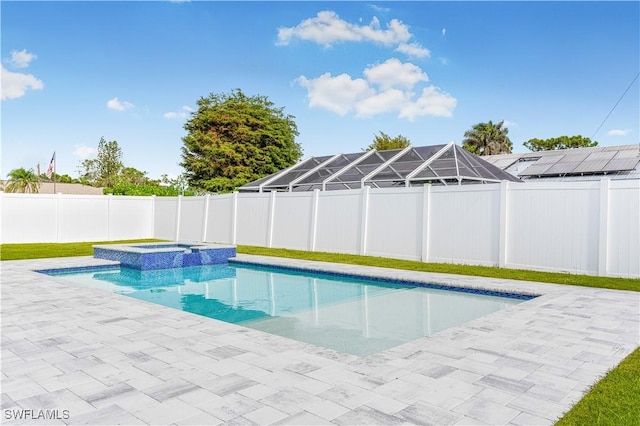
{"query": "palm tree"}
(22, 180)
(487, 139)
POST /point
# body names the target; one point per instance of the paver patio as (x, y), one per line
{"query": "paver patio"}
(111, 359)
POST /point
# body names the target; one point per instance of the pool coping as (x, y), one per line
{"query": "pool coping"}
(65, 345)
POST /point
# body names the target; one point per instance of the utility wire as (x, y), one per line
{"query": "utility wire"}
(614, 107)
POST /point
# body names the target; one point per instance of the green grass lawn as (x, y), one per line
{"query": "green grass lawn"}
(44, 250)
(614, 400)
(632, 284)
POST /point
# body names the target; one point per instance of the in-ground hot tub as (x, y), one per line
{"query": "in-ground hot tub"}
(149, 256)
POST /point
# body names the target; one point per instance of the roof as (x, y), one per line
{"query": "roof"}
(616, 162)
(411, 166)
(66, 188)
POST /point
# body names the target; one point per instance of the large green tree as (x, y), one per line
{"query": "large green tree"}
(383, 141)
(104, 170)
(233, 139)
(22, 180)
(487, 139)
(562, 142)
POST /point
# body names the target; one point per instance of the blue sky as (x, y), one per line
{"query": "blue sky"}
(73, 72)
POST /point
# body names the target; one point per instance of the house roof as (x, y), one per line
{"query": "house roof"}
(411, 166)
(616, 162)
(66, 188)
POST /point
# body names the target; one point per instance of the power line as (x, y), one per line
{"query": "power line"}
(614, 107)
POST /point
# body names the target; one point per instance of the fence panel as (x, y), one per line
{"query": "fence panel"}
(623, 246)
(165, 218)
(130, 217)
(252, 219)
(339, 221)
(464, 224)
(292, 220)
(394, 226)
(554, 226)
(220, 220)
(83, 218)
(191, 218)
(29, 218)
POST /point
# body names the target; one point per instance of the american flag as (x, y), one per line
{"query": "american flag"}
(52, 166)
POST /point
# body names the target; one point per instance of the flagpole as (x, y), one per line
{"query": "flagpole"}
(51, 171)
(54, 172)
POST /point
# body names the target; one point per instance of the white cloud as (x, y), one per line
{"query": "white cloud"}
(380, 8)
(414, 50)
(327, 28)
(20, 59)
(619, 132)
(444, 32)
(508, 123)
(385, 88)
(182, 113)
(433, 102)
(83, 152)
(339, 94)
(391, 99)
(15, 84)
(393, 73)
(118, 105)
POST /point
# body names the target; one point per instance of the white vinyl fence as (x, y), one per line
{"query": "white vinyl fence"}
(35, 218)
(579, 227)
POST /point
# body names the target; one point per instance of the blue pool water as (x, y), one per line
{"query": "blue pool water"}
(348, 314)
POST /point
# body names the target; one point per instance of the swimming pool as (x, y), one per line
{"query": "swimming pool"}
(345, 313)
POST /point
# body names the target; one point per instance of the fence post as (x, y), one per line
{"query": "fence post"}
(313, 231)
(58, 198)
(364, 220)
(153, 216)
(426, 221)
(1, 227)
(272, 211)
(109, 198)
(502, 225)
(603, 228)
(178, 210)
(205, 219)
(234, 218)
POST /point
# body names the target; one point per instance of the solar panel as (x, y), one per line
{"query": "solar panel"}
(550, 159)
(536, 169)
(628, 153)
(503, 163)
(575, 156)
(561, 168)
(592, 166)
(621, 164)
